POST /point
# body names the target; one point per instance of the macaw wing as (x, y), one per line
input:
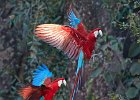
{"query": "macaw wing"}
(36, 96)
(76, 23)
(63, 38)
(40, 75)
(28, 92)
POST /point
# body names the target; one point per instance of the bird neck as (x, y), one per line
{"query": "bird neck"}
(91, 37)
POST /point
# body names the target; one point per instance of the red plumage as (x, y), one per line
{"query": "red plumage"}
(48, 91)
(75, 87)
(71, 40)
(68, 39)
(30, 92)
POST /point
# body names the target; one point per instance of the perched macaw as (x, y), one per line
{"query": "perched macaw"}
(73, 40)
(42, 86)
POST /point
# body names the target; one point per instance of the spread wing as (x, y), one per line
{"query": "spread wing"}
(40, 75)
(63, 38)
(76, 22)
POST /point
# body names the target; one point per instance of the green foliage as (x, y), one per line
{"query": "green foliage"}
(134, 49)
(135, 69)
(121, 75)
(132, 92)
(25, 16)
(96, 72)
(126, 18)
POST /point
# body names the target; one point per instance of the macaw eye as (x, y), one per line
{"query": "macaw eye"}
(64, 82)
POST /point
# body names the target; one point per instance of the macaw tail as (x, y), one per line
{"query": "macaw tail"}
(29, 93)
(77, 83)
(79, 75)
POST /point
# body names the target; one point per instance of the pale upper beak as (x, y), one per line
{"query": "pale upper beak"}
(99, 32)
(60, 82)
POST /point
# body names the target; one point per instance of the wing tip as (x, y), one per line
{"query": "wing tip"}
(41, 74)
(25, 91)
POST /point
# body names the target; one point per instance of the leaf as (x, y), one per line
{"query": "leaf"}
(131, 92)
(134, 50)
(56, 19)
(59, 98)
(108, 77)
(137, 85)
(97, 72)
(135, 69)
(104, 47)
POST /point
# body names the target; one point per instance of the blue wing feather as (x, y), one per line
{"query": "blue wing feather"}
(41, 98)
(40, 74)
(80, 61)
(74, 21)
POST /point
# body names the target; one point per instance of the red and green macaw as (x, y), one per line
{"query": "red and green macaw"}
(42, 86)
(73, 40)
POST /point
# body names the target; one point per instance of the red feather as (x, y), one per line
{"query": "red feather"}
(81, 29)
(47, 81)
(29, 92)
(75, 87)
(67, 39)
(62, 37)
(34, 93)
(53, 88)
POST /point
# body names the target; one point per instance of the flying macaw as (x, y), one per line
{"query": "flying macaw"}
(73, 40)
(76, 23)
(41, 86)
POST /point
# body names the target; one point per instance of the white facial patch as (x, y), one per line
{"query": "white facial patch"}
(59, 83)
(101, 33)
(96, 33)
(64, 82)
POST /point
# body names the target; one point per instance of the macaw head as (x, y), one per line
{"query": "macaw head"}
(53, 87)
(56, 84)
(60, 81)
(97, 32)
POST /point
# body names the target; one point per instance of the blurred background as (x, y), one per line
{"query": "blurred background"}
(113, 74)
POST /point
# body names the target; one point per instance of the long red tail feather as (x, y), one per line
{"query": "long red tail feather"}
(76, 85)
(27, 92)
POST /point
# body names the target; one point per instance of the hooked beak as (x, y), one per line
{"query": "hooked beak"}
(60, 82)
(64, 82)
(98, 32)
